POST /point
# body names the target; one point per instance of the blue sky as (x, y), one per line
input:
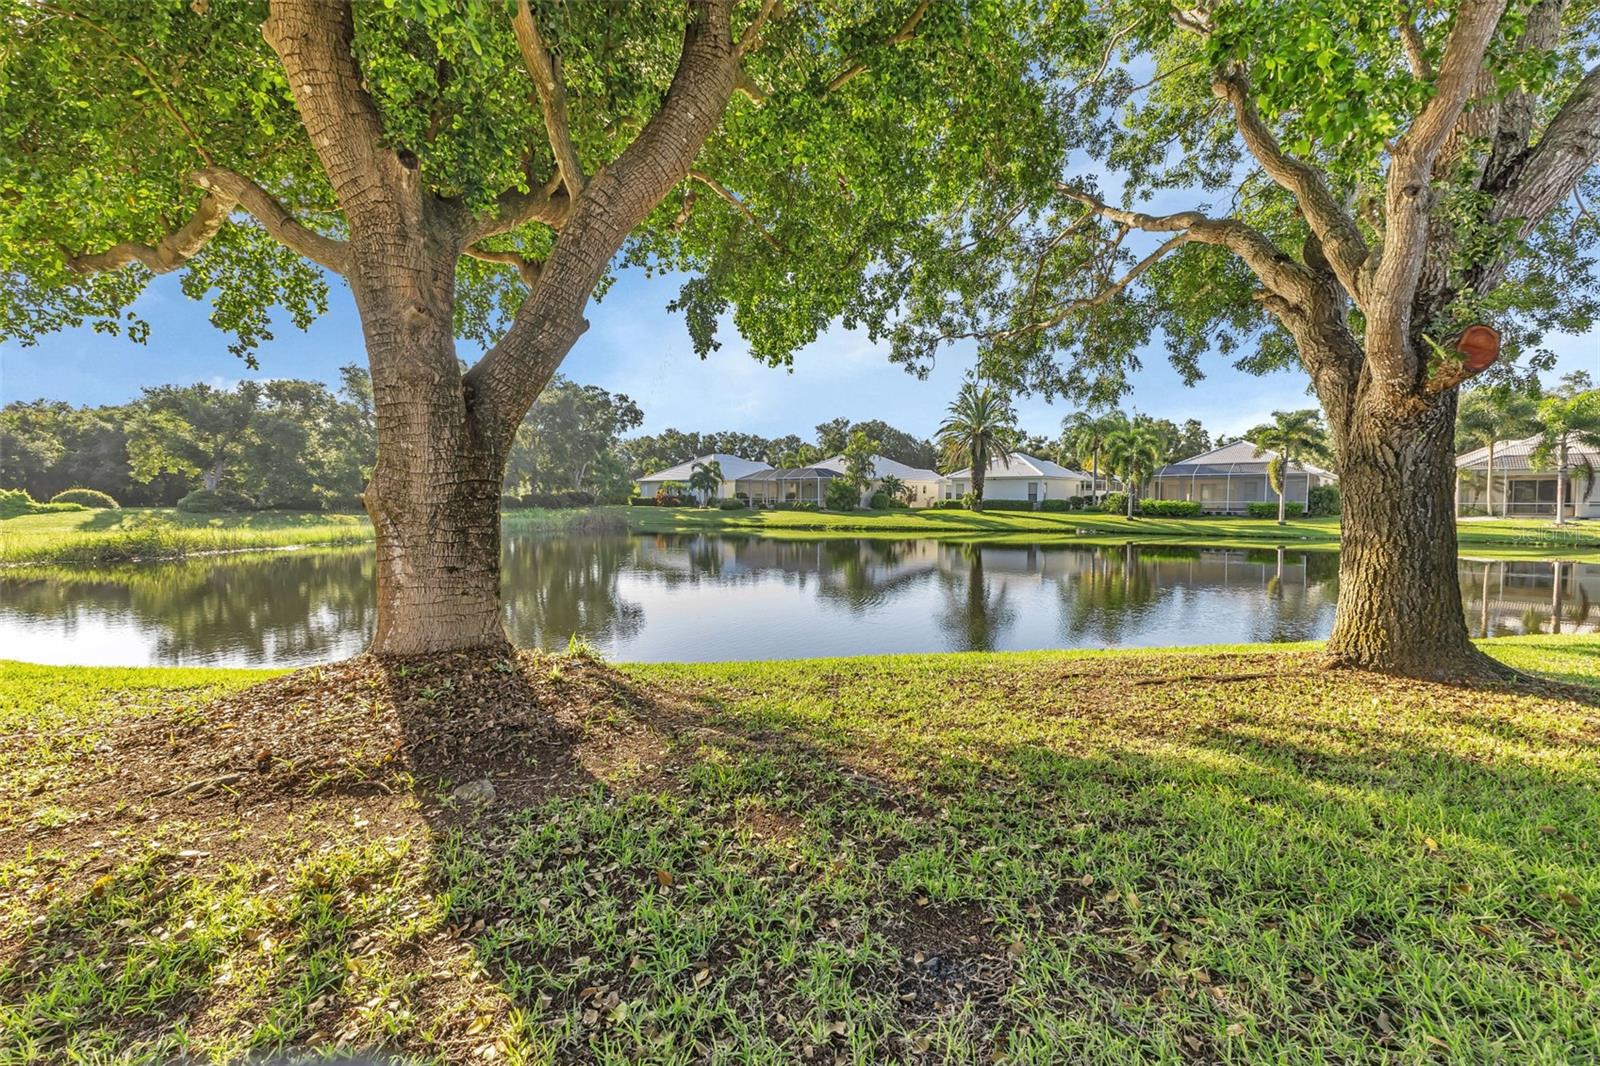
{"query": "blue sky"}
(634, 345)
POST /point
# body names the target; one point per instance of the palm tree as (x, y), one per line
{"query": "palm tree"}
(1086, 437)
(705, 479)
(980, 427)
(1133, 452)
(1488, 416)
(1292, 435)
(1565, 420)
(892, 487)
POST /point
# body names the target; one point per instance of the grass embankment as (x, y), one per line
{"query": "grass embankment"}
(1037, 857)
(99, 538)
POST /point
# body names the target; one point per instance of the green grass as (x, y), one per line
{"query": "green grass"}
(98, 538)
(1218, 855)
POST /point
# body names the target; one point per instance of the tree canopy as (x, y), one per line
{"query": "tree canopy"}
(164, 136)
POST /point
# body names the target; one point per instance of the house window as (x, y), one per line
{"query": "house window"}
(1530, 491)
(1033, 492)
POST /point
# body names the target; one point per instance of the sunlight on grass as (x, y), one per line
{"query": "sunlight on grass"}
(1039, 856)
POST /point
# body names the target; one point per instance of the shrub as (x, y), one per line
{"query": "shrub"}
(880, 501)
(1324, 500)
(208, 501)
(91, 498)
(1269, 509)
(734, 504)
(1007, 505)
(1114, 503)
(840, 495)
(1169, 508)
(970, 501)
(1061, 505)
(948, 505)
(16, 502)
(202, 501)
(642, 501)
(796, 505)
(575, 498)
(508, 502)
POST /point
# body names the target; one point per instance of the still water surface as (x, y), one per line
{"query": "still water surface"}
(708, 597)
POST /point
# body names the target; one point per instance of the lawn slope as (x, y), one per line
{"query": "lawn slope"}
(1043, 857)
(99, 538)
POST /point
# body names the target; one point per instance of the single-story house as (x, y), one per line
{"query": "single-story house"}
(1021, 477)
(733, 468)
(922, 485)
(1225, 479)
(1520, 489)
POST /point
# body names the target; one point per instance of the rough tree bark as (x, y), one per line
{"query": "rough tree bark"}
(1399, 593)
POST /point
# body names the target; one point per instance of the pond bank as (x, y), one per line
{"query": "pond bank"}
(98, 538)
(963, 856)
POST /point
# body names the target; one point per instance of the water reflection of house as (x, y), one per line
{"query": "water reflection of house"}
(1505, 598)
(730, 559)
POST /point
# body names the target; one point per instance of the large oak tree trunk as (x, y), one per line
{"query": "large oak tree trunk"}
(1400, 604)
(434, 500)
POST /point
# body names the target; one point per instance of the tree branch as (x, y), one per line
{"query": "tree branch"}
(527, 269)
(1106, 294)
(1391, 274)
(313, 40)
(275, 218)
(169, 253)
(514, 208)
(1414, 46)
(1569, 146)
(544, 67)
(1333, 225)
(616, 199)
(224, 189)
(744, 209)
(750, 39)
(1276, 270)
(906, 31)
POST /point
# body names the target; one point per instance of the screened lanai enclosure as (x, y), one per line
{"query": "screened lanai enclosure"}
(1227, 479)
(795, 484)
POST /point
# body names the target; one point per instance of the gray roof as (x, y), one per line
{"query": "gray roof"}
(1518, 455)
(1239, 459)
(733, 467)
(792, 473)
(1021, 466)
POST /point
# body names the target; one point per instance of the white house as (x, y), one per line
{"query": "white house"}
(733, 468)
(922, 485)
(1022, 477)
(1520, 489)
(1226, 479)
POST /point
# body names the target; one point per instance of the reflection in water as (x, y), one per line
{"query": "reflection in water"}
(700, 597)
(1513, 598)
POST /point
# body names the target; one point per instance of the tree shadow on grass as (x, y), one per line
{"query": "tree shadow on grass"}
(668, 866)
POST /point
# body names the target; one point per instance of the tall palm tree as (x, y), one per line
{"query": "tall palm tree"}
(705, 479)
(1488, 416)
(1134, 452)
(1566, 420)
(980, 428)
(1291, 435)
(1086, 437)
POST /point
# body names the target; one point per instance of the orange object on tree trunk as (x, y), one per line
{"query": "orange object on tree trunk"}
(1479, 346)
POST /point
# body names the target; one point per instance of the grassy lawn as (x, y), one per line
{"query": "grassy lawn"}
(1043, 857)
(97, 538)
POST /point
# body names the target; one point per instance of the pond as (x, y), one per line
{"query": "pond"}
(706, 597)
